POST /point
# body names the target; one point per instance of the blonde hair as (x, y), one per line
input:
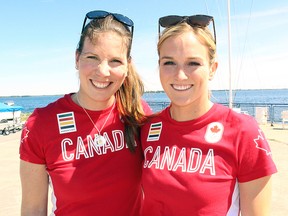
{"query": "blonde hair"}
(128, 96)
(203, 34)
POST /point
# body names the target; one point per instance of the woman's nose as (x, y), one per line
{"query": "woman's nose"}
(180, 74)
(103, 69)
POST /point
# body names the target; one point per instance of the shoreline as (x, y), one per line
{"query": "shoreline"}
(10, 185)
(147, 91)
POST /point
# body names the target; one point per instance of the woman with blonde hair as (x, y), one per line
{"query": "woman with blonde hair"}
(201, 158)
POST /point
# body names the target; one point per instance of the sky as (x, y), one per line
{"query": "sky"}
(38, 40)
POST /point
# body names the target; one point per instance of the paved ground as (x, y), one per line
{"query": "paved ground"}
(10, 188)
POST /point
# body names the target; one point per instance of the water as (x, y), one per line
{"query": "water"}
(246, 99)
(275, 96)
(29, 103)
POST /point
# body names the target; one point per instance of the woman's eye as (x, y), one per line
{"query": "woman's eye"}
(194, 63)
(116, 61)
(91, 57)
(169, 63)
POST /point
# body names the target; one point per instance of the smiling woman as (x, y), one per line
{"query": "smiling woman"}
(102, 69)
(196, 149)
(90, 153)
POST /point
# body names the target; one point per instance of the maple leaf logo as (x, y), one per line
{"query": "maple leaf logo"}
(215, 129)
(214, 132)
(25, 134)
(261, 143)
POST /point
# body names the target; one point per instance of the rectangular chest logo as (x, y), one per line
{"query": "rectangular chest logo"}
(66, 122)
(154, 131)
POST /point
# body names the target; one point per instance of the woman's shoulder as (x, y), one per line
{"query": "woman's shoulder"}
(53, 107)
(158, 116)
(234, 116)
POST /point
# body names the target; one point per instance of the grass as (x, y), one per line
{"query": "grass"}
(24, 116)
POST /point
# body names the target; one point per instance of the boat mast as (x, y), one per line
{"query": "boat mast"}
(229, 57)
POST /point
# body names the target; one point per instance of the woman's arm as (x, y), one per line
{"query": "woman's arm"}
(34, 181)
(255, 197)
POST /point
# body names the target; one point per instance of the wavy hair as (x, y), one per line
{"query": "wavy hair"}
(128, 96)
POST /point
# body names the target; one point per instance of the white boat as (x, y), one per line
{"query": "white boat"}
(10, 118)
(9, 112)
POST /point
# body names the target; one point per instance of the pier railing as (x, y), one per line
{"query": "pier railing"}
(266, 111)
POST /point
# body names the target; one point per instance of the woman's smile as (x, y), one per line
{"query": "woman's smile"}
(100, 85)
(181, 87)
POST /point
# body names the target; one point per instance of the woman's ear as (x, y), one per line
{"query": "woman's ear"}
(129, 60)
(77, 56)
(213, 69)
(129, 65)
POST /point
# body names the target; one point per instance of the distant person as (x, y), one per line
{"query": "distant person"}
(77, 144)
(201, 158)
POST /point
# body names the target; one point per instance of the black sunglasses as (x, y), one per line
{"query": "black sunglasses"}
(98, 14)
(194, 21)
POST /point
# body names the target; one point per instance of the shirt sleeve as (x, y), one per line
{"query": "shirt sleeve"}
(31, 149)
(254, 153)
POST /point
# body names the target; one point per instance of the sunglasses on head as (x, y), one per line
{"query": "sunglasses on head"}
(98, 14)
(194, 21)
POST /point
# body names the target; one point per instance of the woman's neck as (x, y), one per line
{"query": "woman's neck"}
(189, 112)
(89, 104)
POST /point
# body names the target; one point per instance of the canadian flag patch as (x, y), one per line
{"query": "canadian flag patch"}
(214, 132)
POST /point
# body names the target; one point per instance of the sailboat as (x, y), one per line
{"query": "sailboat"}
(261, 113)
(229, 57)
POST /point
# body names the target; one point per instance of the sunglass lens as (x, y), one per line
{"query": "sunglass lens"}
(123, 19)
(199, 20)
(97, 14)
(168, 21)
